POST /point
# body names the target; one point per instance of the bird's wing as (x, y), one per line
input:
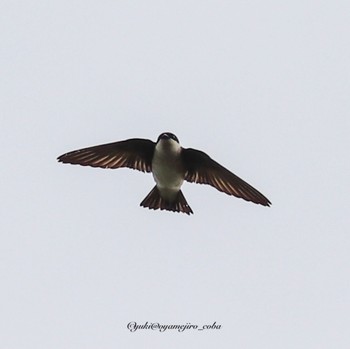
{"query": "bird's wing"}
(133, 153)
(204, 170)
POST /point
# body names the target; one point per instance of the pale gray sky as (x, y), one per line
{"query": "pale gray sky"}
(262, 87)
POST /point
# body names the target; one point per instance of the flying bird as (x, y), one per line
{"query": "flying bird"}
(170, 165)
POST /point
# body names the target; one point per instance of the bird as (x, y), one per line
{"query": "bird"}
(170, 165)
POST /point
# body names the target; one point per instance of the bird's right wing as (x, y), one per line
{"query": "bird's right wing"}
(133, 153)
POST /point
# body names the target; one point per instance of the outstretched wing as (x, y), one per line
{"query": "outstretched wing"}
(133, 153)
(204, 170)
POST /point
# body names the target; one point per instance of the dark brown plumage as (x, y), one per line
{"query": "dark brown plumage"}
(204, 170)
(139, 153)
(133, 153)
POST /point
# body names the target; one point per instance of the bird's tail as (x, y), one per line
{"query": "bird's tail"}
(154, 201)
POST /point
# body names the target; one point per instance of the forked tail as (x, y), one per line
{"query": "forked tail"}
(154, 201)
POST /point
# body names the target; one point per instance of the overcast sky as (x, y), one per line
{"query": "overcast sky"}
(262, 87)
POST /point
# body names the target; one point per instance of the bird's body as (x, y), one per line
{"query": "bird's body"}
(170, 165)
(167, 169)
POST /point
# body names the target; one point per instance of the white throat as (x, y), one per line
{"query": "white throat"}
(168, 146)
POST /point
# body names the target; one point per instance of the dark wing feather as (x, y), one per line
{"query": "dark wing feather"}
(133, 153)
(204, 170)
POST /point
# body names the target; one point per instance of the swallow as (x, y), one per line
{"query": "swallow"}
(170, 165)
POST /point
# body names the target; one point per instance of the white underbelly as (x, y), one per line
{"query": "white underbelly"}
(169, 176)
(167, 168)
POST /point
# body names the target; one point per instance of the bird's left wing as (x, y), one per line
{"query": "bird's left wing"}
(204, 170)
(133, 153)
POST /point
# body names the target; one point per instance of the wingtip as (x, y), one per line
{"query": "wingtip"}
(61, 158)
(263, 201)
